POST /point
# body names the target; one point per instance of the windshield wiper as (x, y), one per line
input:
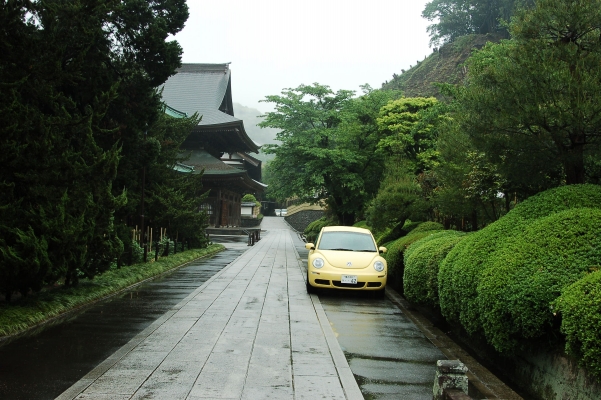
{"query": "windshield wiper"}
(341, 249)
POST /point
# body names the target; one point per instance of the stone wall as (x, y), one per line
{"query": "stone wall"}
(542, 371)
(300, 220)
(553, 375)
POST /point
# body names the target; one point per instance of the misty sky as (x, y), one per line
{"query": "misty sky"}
(276, 44)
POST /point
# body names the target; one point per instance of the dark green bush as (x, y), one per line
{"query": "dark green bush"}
(580, 309)
(422, 260)
(427, 226)
(396, 249)
(314, 228)
(392, 234)
(529, 272)
(460, 271)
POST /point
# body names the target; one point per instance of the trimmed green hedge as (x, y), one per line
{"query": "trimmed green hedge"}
(530, 270)
(427, 226)
(396, 249)
(580, 308)
(422, 260)
(460, 272)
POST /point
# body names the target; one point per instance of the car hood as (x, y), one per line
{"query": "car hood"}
(341, 259)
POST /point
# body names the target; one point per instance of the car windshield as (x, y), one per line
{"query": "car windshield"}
(346, 241)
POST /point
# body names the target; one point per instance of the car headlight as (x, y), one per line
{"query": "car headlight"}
(318, 263)
(379, 266)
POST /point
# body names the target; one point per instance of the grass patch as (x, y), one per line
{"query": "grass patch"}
(23, 314)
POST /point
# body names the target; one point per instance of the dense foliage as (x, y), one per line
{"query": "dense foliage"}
(456, 18)
(422, 261)
(328, 149)
(530, 269)
(580, 309)
(463, 271)
(396, 249)
(531, 103)
(81, 118)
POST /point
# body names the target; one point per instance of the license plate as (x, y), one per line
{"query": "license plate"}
(349, 279)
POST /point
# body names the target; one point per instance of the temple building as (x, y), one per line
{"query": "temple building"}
(219, 144)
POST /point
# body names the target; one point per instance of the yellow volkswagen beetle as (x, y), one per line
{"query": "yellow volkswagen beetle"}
(346, 258)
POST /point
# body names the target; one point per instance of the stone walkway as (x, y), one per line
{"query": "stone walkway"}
(249, 332)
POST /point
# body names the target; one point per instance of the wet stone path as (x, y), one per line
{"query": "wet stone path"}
(44, 363)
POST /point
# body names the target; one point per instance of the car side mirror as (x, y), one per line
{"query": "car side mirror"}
(383, 250)
(309, 246)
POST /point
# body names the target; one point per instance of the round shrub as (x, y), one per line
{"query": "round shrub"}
(427, 226)
(580, 308)
(248, 198)
(422, 260)
(394, 255)
(460, 271)
(529, 272)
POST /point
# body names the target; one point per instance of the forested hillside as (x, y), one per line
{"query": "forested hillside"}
(445, 65)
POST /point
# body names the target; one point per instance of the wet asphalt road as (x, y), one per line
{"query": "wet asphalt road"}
(43, 364)
(388, 354)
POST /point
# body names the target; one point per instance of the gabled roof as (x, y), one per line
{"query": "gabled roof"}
(206, 89)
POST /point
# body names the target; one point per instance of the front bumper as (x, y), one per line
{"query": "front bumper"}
(332, 280)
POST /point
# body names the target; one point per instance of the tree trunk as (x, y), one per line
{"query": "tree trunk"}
(474, 219)
(573, 160)
(346, 219)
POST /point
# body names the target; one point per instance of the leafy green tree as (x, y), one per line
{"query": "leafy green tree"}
(78, 82)
(455, 18)
(407, 140)
(409, 132)
(328, 149)
(533, 101)
(397, 199)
